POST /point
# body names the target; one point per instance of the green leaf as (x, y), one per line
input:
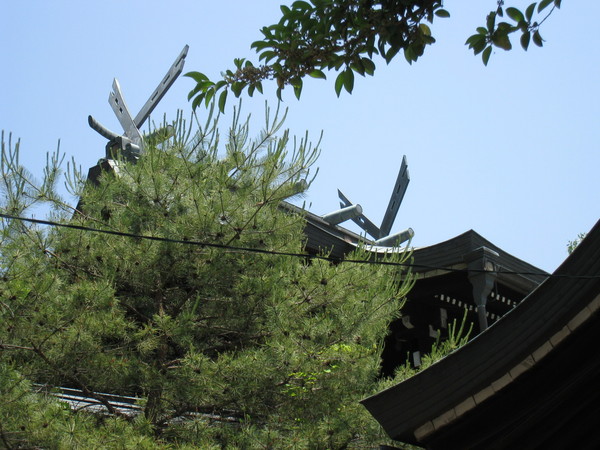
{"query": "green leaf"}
(316, 73)
(194, 91)
(425, 29)
(349, 80)
(544, 4)
(298, 88)
(515, 14)
(502, 41)
(237, 87)
(491, 21)
(301, 5)
(209, 96)
(409, 55)
(477, 42)
(529, 12)
(238, 62)
(525, 37)
(369, 66)
(537, 39)
(197, 101)
(442, 13)
(358, 67)
(482, 30)
(196, 76)
(267, 55)
(473, 39)
(391, 53)
(485, 56)
(222, 101)
(339, 83)
(259, 45)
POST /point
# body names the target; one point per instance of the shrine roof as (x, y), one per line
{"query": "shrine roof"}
(529, 381)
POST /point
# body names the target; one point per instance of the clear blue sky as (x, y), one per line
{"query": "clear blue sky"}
(509, 150)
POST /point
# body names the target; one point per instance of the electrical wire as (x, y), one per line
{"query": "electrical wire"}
(290, 254)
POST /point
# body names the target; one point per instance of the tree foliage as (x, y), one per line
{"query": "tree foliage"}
(223, 347)
(572, 245)
(497, 33)
(344, 36)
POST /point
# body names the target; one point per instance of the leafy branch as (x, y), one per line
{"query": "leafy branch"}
(324, 35)
(497, 34)
(344, 36)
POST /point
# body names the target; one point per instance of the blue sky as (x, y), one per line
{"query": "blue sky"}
(509, 150)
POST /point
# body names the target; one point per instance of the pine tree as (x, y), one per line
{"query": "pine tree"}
(223, 346)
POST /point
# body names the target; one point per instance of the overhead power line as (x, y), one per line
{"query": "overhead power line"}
(236, 249)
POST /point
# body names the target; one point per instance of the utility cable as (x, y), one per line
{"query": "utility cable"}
(290, 254)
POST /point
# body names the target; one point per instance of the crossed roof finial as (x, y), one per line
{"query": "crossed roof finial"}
(131, 143)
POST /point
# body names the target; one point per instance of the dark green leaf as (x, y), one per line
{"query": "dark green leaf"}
(222, 100)
(267, 56)
(502, 41)
(369, 66)
(209, 96)
(544, 4)
(506, 27)
(301, 5)
(194, 91)
(482, 30)
(197, 101)
(491, 21)
(339, 83)
(196, 76)
(391, 53)
(529, 12)
(425, 29)
(473, 39)
(515, 14)
(525, 37)
(298, 88)
(358, 67)
(537, 39)
(317, 74)
(237, 87)
(259, 87)
(409, 55)
(485, 56)
(442, 13)
(349, 80)
(477, 42)
(259, 45)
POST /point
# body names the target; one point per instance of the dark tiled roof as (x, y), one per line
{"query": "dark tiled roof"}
(529, 381)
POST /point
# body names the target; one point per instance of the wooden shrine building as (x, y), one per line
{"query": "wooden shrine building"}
(466, 274)
(529, 381)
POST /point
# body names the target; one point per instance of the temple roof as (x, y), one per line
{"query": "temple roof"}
(528, 381)
(427, 261)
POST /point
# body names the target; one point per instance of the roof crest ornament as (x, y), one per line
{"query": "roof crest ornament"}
(131, 143)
